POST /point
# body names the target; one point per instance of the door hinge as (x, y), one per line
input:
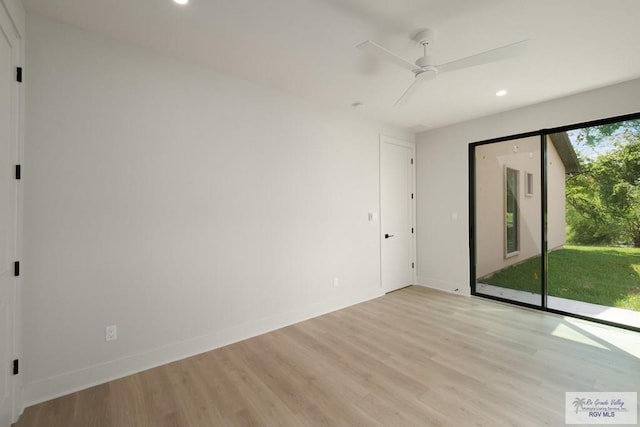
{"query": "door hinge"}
(411, 161)
(15, 367)
(19, 74)
(18, 172)
(411, 230)
(411, 196)
(16, 268)
(413, 265)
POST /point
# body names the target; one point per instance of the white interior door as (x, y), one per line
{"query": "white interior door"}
(397, 213)
(8, 203)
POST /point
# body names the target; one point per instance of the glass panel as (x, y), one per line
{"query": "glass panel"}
(508, 219)
(511, 214)
(594, 260)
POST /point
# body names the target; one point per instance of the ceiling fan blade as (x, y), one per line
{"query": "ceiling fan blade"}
(497, 54)
(408, 93)
(375, 49)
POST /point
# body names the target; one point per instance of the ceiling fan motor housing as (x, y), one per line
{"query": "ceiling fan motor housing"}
(427, 68)
(425, 61)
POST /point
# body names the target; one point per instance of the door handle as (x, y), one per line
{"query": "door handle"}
(386, 236)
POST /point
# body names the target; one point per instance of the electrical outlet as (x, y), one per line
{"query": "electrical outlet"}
(336, 282)
(111, 333)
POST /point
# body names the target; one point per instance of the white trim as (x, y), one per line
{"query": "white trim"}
(396, 141)
(528, 183)
(69, 382)
(17, 15)
(444, 286)
(506, 253)
(511, 254)
(384, 139)
(12, 24)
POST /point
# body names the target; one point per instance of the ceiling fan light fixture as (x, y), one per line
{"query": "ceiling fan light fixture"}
(429, 72)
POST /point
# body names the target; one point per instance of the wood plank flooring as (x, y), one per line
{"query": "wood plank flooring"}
(415, 357)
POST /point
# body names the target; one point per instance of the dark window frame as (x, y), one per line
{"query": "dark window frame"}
(543, 134)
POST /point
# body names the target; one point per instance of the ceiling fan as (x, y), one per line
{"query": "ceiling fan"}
(426, 69)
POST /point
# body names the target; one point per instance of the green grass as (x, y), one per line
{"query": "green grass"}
(599, 275)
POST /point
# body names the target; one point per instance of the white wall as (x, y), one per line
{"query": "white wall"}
(190, 208)
(442, 174)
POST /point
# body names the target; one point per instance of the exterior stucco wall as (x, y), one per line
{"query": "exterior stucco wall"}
(556, 202)
(524, 156)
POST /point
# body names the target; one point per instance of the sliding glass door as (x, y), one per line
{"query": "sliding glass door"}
(555, 220)
(507, 220)
(594, 267)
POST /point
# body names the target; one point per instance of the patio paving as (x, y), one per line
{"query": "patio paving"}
(611, 314)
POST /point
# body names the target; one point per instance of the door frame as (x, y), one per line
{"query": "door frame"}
(385, 139)
(12, 24)
(543, 134)
(543, 214)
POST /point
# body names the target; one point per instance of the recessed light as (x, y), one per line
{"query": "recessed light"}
(501, 92)
(181, 1)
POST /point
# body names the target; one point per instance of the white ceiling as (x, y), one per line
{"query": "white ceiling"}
(307, 47)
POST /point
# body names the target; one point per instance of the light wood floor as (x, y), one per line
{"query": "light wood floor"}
(415, 357)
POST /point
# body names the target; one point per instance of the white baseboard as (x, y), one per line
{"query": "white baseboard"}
(442, 285)
(69, 382)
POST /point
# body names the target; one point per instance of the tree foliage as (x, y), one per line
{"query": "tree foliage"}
(603, 200)
(595, 135)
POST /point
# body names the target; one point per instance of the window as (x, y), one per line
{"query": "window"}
(528, 184)
(540, 198)
(512, 244)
